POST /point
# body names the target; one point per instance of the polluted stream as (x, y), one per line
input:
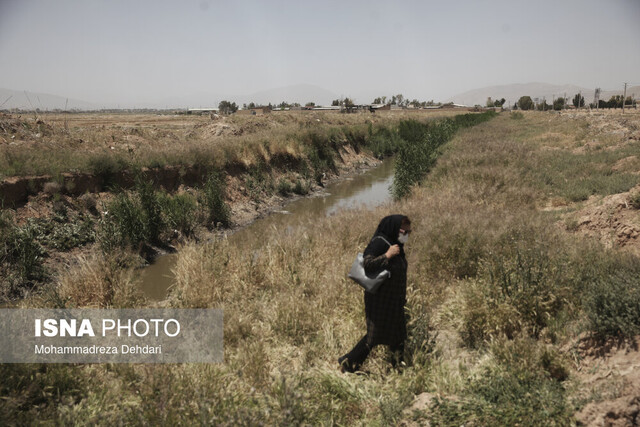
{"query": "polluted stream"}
(369, 189)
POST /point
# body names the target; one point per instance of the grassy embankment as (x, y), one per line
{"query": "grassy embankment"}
(496, 289)
(281, 154)
(108, 143)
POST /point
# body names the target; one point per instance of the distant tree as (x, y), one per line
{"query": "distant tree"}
(335, 103)
(578, 101)
(415, 103)
(244, 106)
(310, 104)
(399, 99)
(283, 105)
(499, 103)
(251, 105)
(629, 101)
(227, 107)
(558, 104)
(525, 103)
(615, 101)
(543, 106)
(348, 104)
(489, 102)
(384, 100)
(378, 100)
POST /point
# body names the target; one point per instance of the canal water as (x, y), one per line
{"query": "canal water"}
(369, 189)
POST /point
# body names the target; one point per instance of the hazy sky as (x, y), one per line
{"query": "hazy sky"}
(149, 50)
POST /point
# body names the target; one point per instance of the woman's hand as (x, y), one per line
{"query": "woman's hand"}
(392, 251)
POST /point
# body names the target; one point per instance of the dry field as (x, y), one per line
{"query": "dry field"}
(523, 300)
(50, 144)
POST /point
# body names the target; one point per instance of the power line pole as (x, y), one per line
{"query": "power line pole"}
(624, 97)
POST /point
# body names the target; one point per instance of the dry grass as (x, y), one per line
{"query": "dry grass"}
(290, 310)
(101, 281)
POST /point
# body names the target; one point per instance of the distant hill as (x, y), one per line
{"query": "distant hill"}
(513, 92)
(43, 101)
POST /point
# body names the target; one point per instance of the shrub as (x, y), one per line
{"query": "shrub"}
(21, 258)
(517, 386)
(106, 166)
(320, 153)
(42, 386)
(612, 304)
(88, 202)
(63, 233)
(152, 213)
(384, 143)
(179, 212)
(456, 249)
(302, 187)
(518, 290)
(124, 223)
(52, 188)
(634, 200)
(284, 187)
(217, 210)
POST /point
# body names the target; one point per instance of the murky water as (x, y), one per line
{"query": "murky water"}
(369, 189)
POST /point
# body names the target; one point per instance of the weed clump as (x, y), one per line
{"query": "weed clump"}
(519, 289)
(21, 257)
(520, 384)
(180, 212)
(320, 153)
(302, 187)
(217, 210)
(106, 166)
(612, 304)
(634, 200)
(384, 142)
(284, 187)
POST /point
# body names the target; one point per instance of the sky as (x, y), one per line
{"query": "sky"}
(127, 52)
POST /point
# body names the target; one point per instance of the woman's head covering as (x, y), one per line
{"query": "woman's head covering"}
(389, 228)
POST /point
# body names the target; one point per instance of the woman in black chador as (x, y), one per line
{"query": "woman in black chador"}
(386, 322)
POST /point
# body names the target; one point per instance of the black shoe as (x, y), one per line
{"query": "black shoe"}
(345, 366)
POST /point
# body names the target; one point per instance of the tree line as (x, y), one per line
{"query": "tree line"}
(526, 103)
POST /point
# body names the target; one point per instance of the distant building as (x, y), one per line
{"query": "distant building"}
(380, 107)
(202, 110)
(452, 105)
(257, 111)
(331, 107)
